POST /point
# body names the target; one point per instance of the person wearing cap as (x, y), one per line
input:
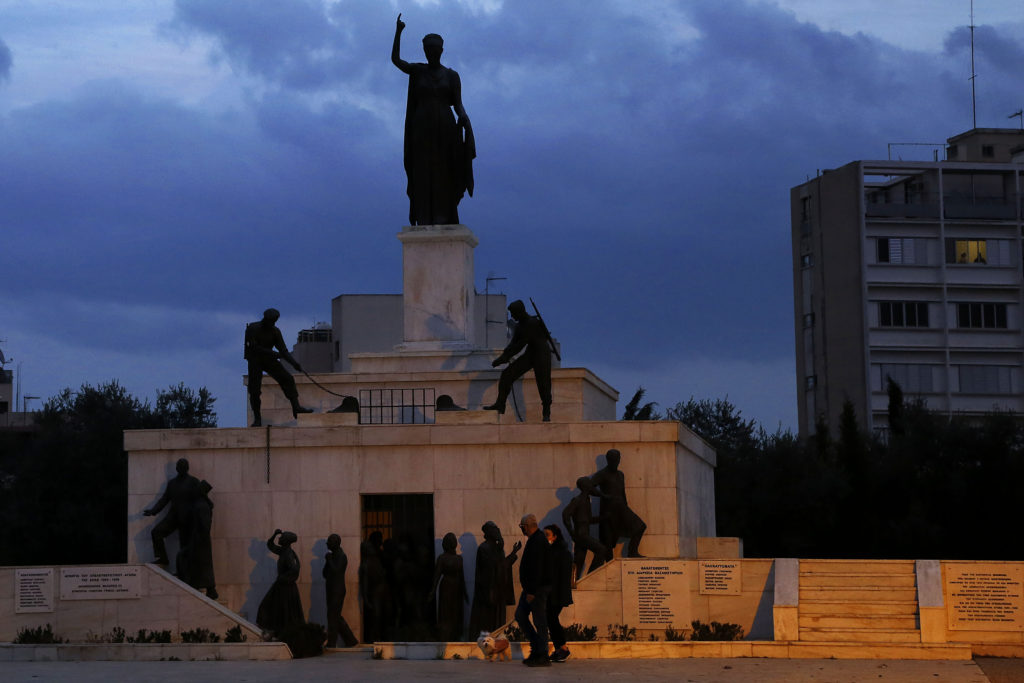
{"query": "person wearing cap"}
(264, 347)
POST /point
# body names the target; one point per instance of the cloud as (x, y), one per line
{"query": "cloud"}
(634, 168)
(6, 60)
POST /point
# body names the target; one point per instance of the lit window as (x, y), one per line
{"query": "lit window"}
(966, 251)
(978, 252)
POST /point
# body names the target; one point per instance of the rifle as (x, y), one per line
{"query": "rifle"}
(551, 342)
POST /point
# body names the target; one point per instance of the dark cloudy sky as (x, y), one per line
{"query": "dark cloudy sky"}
(168, 169)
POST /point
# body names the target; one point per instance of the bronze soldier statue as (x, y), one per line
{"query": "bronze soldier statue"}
(577, 518)
(533, 335)
(181, 493)
(335, 565)
(617, 519)
(264, 347)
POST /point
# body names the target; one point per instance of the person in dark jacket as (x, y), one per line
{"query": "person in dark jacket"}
(561, 589)
(535, 579)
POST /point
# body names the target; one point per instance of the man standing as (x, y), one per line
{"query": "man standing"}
(181, 492)
(535, 578)
(264, 346)
(532, 334)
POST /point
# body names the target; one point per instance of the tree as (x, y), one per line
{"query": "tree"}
(718, 422)
(180, 407)
(634, 411)
(66, 492)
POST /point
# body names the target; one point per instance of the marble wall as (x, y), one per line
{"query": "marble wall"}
(163, 603)
(310, 480)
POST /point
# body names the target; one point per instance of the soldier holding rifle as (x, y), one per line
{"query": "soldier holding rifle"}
(532, 334)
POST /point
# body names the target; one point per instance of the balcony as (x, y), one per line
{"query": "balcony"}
(964, 206)
(925, 206)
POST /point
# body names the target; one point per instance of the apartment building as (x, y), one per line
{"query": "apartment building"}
(912, 270)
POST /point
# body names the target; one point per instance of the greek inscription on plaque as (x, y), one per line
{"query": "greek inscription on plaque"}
(984, 596)
(655, 594)
(719, 577)
(99, 583)
(33, 590)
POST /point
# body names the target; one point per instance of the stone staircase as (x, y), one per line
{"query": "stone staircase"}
(851, 601)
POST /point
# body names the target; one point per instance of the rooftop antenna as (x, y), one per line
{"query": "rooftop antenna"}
(974, 101)
(487, 303)
(1019, 114)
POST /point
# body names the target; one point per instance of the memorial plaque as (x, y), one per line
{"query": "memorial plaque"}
(984, 596)
(719, 577)
(99, 583)
(655, 593)
(33, 590)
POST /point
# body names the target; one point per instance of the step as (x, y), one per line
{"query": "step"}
(857, 566)
(834, 650)
(862, 594)
(889, 608)
(856, 580)
(852, 621)
(357, 652)
(859, 635)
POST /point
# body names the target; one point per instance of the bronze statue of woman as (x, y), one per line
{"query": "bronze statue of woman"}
(438, 160)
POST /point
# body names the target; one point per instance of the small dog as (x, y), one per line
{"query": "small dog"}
(494, 648)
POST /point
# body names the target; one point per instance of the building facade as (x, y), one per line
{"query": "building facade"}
(912, 271)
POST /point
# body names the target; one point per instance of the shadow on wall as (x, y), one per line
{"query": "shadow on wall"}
(467, 548)
(261, 578)
(554, 516)
(763, 627)
(318, 587)
(443, 328)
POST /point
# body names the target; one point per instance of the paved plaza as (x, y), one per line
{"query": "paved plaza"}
(342, 668)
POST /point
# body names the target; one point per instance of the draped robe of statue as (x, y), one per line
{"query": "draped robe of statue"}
(438, 161)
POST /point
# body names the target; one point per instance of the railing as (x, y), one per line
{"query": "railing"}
(396, 406)
(962, 205)
(954, 204)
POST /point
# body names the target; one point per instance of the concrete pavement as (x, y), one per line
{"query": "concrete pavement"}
(346, 668)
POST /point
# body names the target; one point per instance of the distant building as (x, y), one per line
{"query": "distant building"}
(362, 323)
(912, 270)
(6, 391)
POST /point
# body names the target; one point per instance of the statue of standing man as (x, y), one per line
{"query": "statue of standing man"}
(438, 160)
(264, 347)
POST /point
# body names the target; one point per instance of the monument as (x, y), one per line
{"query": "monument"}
(423, 442)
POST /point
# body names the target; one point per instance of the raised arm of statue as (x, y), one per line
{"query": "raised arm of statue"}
(396, 59)
(274, 547)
